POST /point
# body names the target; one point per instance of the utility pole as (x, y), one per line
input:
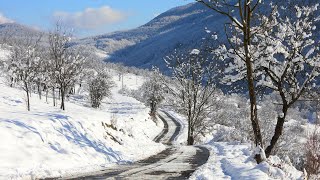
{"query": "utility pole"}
(122, 81)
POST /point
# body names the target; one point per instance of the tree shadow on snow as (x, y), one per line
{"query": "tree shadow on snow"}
(73, 132)
(23, 125)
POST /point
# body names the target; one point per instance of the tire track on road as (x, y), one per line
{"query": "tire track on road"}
(175, 162)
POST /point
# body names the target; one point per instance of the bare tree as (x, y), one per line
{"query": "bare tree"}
(313, 153)
(23, 63)
(288, 59)
(285, 55)
(194, 90)
(152, 93)
(67, 62)
(242, 13)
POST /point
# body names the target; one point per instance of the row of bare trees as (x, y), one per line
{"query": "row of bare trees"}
(48, 62)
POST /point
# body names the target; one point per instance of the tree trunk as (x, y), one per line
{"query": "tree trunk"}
(190, 137)
(250, 79)
(190, 140)
(28, 98)
(190, 133)
(62, 90)
(54, 96)
(153, 109)
(277, 132)
(11, 83)
(39, 90)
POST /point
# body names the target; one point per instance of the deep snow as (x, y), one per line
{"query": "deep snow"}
(234, 160)
(49, 142)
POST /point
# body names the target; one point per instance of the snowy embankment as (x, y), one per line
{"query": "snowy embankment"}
(233, 160)
(49, 142)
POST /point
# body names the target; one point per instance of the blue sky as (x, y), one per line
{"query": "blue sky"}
(88, 17)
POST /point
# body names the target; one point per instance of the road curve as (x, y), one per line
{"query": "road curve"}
(175, 162)
(164, 131)
(170, 130)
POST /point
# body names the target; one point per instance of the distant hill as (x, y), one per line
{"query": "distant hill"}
(146, 45)
(7, 30)
(182, 27)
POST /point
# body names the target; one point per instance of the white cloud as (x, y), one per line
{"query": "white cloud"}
(4, 19)
(91, 18)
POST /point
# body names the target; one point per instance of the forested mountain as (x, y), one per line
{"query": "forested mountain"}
(14, 29)
(146, 46)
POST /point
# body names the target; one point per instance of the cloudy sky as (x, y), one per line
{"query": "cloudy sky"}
(88, 17)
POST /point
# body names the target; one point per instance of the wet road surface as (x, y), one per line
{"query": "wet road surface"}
(175, 162)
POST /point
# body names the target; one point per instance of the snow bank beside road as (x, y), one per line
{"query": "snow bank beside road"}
(48, 142)
(232, 161)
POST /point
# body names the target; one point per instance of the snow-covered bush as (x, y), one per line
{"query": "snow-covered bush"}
(99, 88)
(313, 153)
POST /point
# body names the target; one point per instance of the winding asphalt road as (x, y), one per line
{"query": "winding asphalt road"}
(175, 162)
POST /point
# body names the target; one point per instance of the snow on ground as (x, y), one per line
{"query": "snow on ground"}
(233, 161)
(49, 142)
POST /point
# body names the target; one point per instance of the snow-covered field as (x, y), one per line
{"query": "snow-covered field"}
(49, 142)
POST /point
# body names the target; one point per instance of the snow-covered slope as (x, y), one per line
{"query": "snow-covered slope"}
(181, 27)
(49, 142)
(7, 30)
(146, 46)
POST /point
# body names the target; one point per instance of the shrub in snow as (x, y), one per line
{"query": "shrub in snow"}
(312, 146)
(99, 88)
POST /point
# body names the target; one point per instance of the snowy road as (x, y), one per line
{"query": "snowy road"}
(175, 162)
(170, 130)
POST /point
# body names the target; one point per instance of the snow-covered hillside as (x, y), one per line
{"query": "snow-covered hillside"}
(7, 30)
(146, 46)
(49, 142)
(181, 27)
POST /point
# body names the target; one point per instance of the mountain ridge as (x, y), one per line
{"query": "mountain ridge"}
(145, 46)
